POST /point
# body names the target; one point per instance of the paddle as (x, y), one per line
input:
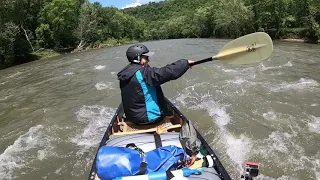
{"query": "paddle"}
(247, 49)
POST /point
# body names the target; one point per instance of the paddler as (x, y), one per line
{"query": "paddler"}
(142, 96)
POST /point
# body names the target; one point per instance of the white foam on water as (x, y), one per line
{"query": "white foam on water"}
(238, 148)
(68, 73)
(270, 116)
(281, 149)
(20, 153)
(15, 74)
(302, 84)
(96, 119)
(264, 177)
(189, 97)
(99, 67)
(314, 164)
(4, 82)
(6, 97)
(113, 73)
(102, 86)
(315, 104)
(57, 171)
(42, 154)
(237, 81)
(279, 142)
(288, 64)
(77, 59)
(264, 68)
(314, 125)
(229, 70)
(217, 112)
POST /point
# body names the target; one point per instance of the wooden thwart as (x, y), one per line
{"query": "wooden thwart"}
(131, 128)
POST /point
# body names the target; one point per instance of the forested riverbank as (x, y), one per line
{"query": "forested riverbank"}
(31, 29)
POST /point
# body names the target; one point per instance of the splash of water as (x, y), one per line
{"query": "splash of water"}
(21, 152)
(102, 86)
(99, 67)
(96, 119)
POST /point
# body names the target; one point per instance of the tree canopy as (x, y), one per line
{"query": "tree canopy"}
(31, 25)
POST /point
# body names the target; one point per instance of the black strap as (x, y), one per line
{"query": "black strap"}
(143, 168)
(169, 174)
(135, 147)
(143, 164)
(157, 140)
(131, 145)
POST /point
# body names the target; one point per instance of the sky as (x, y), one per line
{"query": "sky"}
(123, 3)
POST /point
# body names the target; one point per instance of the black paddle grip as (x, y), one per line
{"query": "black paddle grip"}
(202, 61)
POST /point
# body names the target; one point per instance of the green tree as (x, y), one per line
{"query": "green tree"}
(204, 21)
(8, 37)
(56, 24)
(88, 31)
(44, 36)
(62, 18)
(232, 18)
(17, 24)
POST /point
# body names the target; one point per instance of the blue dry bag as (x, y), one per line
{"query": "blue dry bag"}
(115, 162)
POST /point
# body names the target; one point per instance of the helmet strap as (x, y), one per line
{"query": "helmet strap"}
(137, 61)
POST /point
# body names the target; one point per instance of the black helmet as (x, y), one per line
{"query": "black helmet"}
(135, 51)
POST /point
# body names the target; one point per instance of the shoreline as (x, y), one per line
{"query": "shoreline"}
(293, 40)
(49, 53)
(107, 45)
(297, 40)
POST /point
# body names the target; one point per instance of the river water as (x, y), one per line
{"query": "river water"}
(53, 113)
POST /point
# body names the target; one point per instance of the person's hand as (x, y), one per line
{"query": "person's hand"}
(191, 160)
(190, 62)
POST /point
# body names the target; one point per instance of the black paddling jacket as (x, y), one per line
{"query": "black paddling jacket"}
(142, 96)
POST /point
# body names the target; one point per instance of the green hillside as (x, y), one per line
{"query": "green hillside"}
(34, 27)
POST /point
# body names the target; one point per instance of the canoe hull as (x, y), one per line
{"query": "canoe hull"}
(147, 142)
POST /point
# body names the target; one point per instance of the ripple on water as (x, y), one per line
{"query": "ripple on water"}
(107, 85)
(302, 84)
(68, 73)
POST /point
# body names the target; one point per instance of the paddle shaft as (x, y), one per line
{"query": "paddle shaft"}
(203, 61)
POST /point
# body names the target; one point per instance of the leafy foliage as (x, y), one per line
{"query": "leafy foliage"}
(33, 25)
(59, 17)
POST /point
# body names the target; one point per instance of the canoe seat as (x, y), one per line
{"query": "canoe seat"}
(127, 127)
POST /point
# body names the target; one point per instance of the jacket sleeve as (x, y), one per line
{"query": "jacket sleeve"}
(157, 76)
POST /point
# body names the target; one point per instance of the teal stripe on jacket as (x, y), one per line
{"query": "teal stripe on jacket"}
(150, 97)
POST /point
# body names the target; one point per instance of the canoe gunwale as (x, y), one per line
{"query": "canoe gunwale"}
(218, 165)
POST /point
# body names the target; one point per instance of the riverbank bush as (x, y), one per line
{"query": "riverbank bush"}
(44, 53)
(66, 25)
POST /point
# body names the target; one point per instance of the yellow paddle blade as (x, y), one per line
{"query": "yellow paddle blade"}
(247, 49)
